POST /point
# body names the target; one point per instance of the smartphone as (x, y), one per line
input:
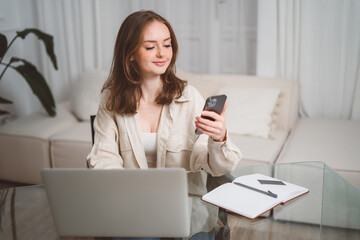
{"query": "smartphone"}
(213, 103)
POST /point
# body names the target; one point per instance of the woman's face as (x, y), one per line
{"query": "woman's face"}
(155, 51)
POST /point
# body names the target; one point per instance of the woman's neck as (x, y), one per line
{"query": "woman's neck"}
(149, 110)
(150, 88)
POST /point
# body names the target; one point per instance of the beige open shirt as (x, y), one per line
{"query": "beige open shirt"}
(118, 141)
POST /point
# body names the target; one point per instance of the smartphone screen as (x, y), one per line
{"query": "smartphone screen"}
(213, 103)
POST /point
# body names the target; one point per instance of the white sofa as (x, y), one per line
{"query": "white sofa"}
(36, 141)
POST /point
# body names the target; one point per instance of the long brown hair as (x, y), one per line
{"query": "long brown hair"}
(124, 80)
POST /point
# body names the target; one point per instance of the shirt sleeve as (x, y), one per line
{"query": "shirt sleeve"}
(105, 151)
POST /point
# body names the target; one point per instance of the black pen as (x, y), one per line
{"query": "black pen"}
(257, 190)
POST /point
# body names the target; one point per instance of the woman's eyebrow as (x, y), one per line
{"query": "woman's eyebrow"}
(153, 41)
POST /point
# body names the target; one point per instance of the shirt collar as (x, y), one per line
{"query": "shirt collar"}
(184, 97)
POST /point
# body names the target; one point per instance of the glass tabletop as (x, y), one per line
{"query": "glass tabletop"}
(331, 210)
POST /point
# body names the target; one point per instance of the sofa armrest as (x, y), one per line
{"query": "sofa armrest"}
(25, 146)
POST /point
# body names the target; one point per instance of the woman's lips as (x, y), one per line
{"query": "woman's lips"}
(159, 63)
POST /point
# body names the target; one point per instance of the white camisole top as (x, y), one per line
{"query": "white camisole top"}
(149, 141)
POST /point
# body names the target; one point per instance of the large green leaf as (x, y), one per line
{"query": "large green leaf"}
(47, 40)
(5, 101)
(3, 45)
(37, 84)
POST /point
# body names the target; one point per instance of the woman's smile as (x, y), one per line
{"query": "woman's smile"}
(159, 63)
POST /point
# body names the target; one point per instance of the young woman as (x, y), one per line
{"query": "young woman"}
(147, 116)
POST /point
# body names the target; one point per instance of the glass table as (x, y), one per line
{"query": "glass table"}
(331, 210)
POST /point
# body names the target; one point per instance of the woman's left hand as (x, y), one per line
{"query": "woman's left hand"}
(214, 129)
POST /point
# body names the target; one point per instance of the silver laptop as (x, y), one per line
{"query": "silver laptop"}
(118, 203)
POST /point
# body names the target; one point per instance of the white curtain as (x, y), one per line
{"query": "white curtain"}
(74, 25)
(318, 44)
(216, 36)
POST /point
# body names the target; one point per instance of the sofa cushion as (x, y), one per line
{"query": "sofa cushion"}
(332, 141)
(70, 147)
(352, 176)
(250, 111)
(259, 150)
(85, 93)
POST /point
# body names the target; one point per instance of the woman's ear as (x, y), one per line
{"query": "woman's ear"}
(132, 58)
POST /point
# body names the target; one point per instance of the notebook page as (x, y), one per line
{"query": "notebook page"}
(285, 192)
(240, 200)
(288, 192)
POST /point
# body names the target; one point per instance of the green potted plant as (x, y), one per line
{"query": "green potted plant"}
(28, 71)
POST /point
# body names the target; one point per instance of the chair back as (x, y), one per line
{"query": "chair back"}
(92, 118)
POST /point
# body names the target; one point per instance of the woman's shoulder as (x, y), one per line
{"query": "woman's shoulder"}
(104, 95)
(104, 98)
(191, 92)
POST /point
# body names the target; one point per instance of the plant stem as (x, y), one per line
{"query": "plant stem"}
(12, 41)
(7, 65)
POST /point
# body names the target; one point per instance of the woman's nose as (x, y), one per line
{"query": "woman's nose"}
(160, 52)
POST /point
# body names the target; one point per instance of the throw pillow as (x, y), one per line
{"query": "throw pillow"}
(250, 111)
(85, 93)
